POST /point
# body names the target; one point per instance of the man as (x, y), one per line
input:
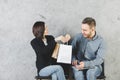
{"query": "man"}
(88, 52)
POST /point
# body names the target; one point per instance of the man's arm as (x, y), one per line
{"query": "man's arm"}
(99, 57)
(75, 48)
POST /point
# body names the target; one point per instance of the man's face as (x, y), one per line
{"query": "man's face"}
(86, 30)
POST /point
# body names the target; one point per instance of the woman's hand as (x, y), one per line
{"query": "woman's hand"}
(63, 39)
(67, 37)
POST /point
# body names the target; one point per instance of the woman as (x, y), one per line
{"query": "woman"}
(43, 46)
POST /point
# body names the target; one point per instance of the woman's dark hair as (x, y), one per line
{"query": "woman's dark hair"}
(90, 21)
(38, 29)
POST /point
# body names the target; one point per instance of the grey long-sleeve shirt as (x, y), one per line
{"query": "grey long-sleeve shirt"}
(90, 51)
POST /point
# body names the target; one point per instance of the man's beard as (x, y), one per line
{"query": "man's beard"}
(89, 35)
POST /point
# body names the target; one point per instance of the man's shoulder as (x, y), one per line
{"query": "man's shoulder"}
(78, 36)
(99, 37)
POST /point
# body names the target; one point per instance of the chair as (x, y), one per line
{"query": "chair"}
(49, 77)
(42, 77)
(102, 75)
(69, 73)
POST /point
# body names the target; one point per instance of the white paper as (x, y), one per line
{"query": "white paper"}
(64, 54)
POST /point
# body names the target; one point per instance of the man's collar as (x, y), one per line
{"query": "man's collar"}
(95, 36)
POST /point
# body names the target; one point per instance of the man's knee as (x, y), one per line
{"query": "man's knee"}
(91, 74)
(78, 75)
(94, 72)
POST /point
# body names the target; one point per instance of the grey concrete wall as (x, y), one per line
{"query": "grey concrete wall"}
(17, 58)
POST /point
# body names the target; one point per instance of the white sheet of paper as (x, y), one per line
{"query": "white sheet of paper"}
(65, 54)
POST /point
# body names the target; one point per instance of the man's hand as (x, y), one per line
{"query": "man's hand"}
(74, 62)
(80, 66)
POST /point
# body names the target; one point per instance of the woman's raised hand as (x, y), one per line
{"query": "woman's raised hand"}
(63, 39)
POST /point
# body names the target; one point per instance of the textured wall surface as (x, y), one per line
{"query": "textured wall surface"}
(17, 58)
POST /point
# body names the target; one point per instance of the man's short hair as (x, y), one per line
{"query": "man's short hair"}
(90, 21)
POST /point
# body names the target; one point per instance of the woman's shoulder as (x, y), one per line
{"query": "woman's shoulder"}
(33, 41)
(49, 37)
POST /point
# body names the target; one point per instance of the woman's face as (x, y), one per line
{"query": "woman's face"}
(46, 30)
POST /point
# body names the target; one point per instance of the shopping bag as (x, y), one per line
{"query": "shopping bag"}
(64, 54)
(55, 52)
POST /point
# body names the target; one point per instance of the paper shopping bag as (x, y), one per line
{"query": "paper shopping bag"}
(64, 54)
(55, 52)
